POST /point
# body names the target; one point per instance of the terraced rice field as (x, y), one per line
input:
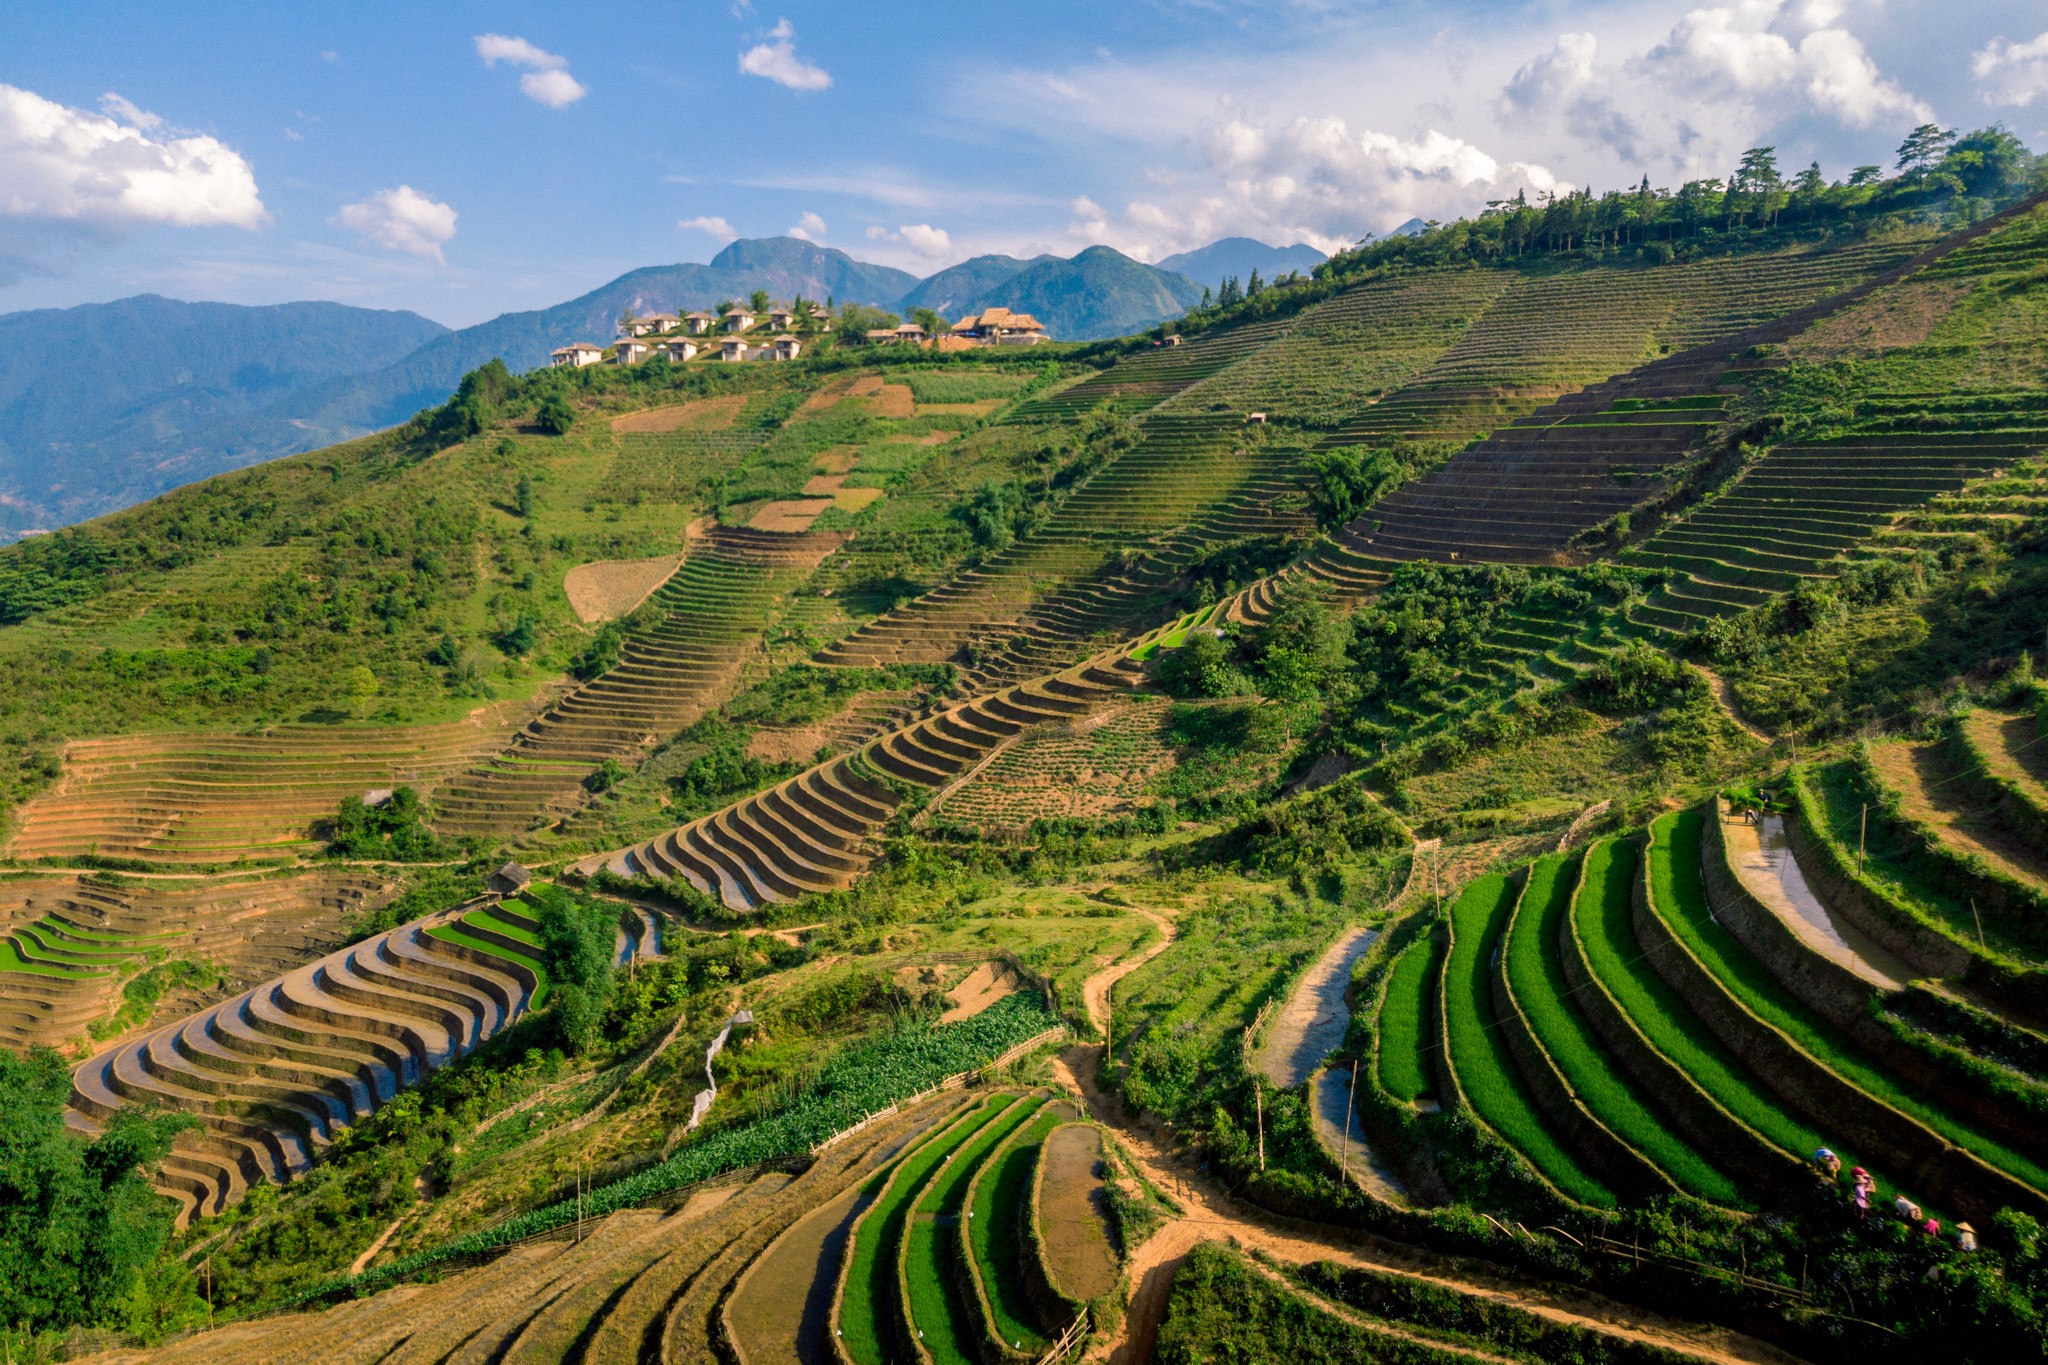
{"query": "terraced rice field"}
(713, 611)
(1799, 510)
(942, 1314)
(816, 831)
(1479, 1058)
(649, 1280)
(1680, 902)
(998, 1207)
(273, 1072)
(1112, 550)
(1090, 769)
(1535, 970)
(203, 798)
(1405, 1030)
(247, 929)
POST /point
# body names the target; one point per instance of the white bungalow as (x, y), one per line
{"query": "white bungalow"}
(781, 319)
(679, 349)
(575, 356)
(699, 324)
(649, 325)
(733, 348)
(738, 319)
(785, 347)
(629, 352)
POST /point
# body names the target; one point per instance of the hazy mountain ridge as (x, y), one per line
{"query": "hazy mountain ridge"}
(1240, 256)
(105, 404)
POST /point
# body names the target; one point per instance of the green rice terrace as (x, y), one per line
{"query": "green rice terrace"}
(1488, 802)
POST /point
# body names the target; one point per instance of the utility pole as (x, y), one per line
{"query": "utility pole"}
(1862, 837)
(207, 1266)
(1980, 923)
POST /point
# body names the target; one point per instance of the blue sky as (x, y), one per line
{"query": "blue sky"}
(462, 159)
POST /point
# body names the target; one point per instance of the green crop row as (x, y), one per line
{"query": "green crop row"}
(1404, 1021)
(1681, 899)
(1479, 1053)
(869, 1304)
(994, 1235)
(1603, 921)
(933, 1287)
(1536, 971)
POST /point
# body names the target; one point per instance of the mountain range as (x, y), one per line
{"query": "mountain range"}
(105, 405)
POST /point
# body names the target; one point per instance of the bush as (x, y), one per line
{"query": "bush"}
(395, 831)
(555, 416)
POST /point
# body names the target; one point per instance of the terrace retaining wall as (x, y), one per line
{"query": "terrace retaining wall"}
(1943, 1172)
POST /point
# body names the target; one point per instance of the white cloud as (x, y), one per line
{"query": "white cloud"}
(776, 60)
(1555, 77)
(2013, 73)
(1316, 179)
(124, 109)
(705, 223)
(1759, 51)
(922, 238)
(401, 220)
(546, 80)
(810, 227)
(67, 164)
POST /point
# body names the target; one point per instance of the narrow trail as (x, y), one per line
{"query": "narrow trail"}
(1095, 990)
(1209, 1213)
(1724, 695)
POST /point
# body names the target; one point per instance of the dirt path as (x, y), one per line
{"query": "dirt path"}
(1209, 1212)
(1095, 991)
(1725, 696)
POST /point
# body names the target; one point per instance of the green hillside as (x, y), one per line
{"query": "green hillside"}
(1487, 757)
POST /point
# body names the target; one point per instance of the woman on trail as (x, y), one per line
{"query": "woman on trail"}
(1862, 1186)
(1827, 1163)
(1966, 1237)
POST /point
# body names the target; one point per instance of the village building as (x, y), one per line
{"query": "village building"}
(509, 880)
(909, 332)
(699, 324)
(679, 349)
(781, 319)
(785, 347)
(575, 355)
(733, 349)
(629, 352)
(1001, 327)
(738, 319)
(651, 324)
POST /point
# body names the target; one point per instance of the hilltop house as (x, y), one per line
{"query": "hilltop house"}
(509, 880)
(908, 331)
(738, 319)
(680, 349)
(781, 319)
(785, 347)
(649, 325)
(576, 355)
(698, 324)
(733, 348)
(1001, 327)
(629, 352)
